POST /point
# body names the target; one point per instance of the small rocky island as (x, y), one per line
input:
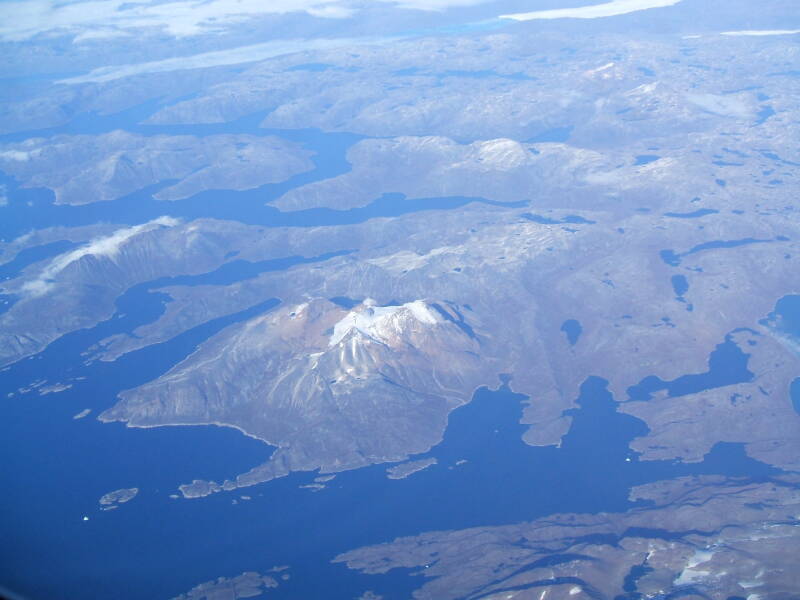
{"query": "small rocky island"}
(112, 500)
(407, 469)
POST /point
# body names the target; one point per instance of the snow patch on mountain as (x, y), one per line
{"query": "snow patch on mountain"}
(383, 323)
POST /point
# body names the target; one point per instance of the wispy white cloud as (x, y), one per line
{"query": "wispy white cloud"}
(19, 155)
(434, 5)
(760, 32)
(108, 246)
(91, 19)
(23, 19)
(608, 9)
(231, 56)
(102, 33)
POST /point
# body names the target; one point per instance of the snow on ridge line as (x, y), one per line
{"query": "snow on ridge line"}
(378, 321)
(102, 246)
(607, 9)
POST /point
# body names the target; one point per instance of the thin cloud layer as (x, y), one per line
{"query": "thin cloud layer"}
(108, 246)
(231, 56)
(608, 9)
(434, 5)
(91, 19)
(24, 19)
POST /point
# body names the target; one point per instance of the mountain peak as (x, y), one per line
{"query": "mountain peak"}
(386, 324)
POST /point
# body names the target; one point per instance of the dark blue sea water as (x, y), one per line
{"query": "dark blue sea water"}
(30, 209)
(29, 256)
(55, 468)
(154, 546)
